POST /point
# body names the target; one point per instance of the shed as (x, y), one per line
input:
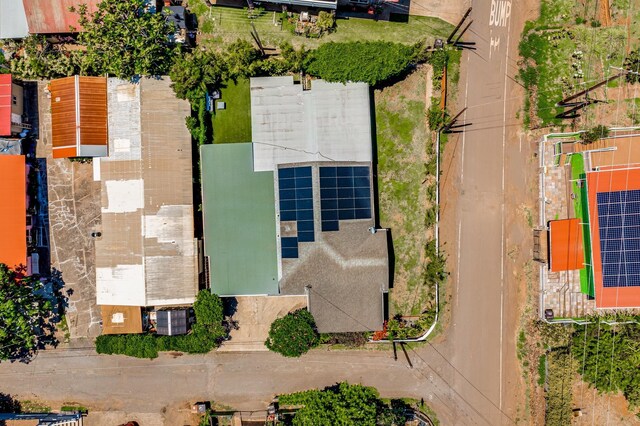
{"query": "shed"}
(172, 322)
(121, 319)
(567, 251)
(79, 117)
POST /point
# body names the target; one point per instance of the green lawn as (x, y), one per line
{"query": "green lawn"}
(233, 124)
(581, 207)
(223, 25)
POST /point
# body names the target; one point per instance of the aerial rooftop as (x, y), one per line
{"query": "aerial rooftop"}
(147, 253)
(330, 122)
(239, 222)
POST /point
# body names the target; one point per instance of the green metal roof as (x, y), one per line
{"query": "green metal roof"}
(239, 221)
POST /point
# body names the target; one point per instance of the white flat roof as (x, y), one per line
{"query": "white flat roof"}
(330, 122)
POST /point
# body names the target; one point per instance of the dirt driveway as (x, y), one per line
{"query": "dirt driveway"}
(74, 211)
(254, 315)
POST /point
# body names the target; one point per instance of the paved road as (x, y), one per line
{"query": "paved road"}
(481, 341)
(469, 378)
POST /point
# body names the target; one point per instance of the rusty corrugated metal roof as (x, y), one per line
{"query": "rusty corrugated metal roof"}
(53, 16)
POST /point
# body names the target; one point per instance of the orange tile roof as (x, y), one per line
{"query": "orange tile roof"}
(567, 250)
(13, 210)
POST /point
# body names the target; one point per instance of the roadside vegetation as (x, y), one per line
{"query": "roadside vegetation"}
(568, 48)
(345, 404)
(408, 115)
(206, 334)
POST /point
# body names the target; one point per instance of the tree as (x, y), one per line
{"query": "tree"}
(196, 73)
(341, 404)
(34, 57)
(294, 334)
(241, 58)
(371, 62)
(25, 314)
(595, 133)
(294, 58)
(124, 39)
(632, 64)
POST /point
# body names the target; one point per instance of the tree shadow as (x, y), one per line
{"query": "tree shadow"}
(9, 404)
(52, 292)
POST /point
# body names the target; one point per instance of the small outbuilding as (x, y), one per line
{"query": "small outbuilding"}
(172, 322)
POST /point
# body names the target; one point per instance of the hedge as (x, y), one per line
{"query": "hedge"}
(370, 62)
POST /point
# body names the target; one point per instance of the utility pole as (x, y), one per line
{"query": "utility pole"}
(457, 43)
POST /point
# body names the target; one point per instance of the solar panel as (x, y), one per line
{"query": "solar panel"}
(619, 223)
(295, 189)
(345, 194)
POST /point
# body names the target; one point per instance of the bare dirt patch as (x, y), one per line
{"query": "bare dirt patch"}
(601, 409)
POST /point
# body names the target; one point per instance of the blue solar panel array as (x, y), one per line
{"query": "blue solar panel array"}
(619, 220)
(296, 204)
(345, 193)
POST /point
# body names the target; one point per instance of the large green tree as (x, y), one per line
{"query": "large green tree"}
(294, 334)
(343, 404)
(124, 39)
(26, 314)
(196, 73)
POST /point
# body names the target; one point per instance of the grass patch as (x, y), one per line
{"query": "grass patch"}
(72, 408)
(224, 25)
(29, 406)
(233, 124)
(542, 370)
(581, 209)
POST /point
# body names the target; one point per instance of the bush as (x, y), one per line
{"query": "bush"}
(206, 334)
(435, 116)
(294, 334)
(370, 62)
(595, 133)
(344, 404)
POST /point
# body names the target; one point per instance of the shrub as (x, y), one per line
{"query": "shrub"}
(595, 133)
(370, 62)
(294, 334)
